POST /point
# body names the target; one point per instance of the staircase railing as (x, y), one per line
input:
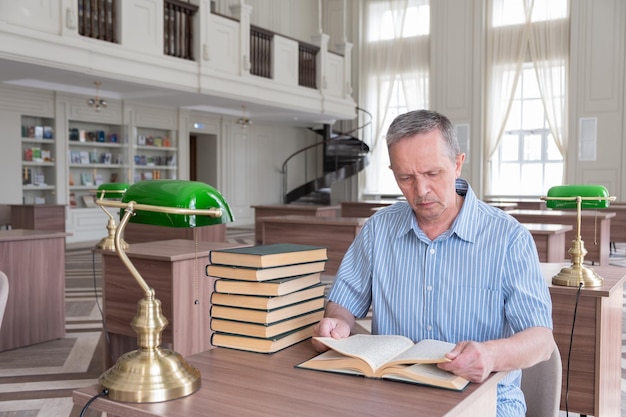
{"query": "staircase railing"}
(97, 19)
(304, 152)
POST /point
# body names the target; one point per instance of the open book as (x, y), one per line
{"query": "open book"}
(388, 357)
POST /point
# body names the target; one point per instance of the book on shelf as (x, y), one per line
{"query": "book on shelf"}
(266, 316)
(388, 357)
(263, 302)
(265, 330)
(263, 274)
(267, 256)
(272, 287)
(262, 344)
(84, 157)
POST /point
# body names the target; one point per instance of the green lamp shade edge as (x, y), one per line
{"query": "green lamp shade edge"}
(180, 194)
(576, 190)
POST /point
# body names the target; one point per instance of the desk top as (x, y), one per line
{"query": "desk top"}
(238, 383)
(27, 234)
(613, 280)
(173, 249)
(547, 229)
(602, 214)
(297, 207)
(297, 218)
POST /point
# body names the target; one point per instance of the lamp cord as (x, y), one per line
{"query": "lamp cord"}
(103, 393)
(569, 353)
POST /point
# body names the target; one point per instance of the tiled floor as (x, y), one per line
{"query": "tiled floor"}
(37, 381)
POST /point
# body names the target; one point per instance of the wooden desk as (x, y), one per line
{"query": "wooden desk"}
(549, 239)
(46, 217)
(595, 377)
(363, 208)
(237, 383)
(595, 227)
(139, 233)
(521, 203)
(176, 270)
(288, 209)
(34, 262)
(618, 223)
(334, 233)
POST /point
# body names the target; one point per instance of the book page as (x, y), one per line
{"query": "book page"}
(427, 374)
(424, 351)
(375, 350)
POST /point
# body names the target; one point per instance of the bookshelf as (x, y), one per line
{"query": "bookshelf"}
(154, 154)
(97, 154)
(38, 160)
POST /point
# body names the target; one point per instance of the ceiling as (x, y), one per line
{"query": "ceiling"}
(68, 81)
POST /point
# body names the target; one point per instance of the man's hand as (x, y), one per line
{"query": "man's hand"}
(337, 324)
(471, 360)
(329, 327)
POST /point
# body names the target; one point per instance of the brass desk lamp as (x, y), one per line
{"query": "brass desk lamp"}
(151, 373)
(578, 197)
(111, 190)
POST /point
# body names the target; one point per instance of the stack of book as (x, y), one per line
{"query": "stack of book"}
(266, 297)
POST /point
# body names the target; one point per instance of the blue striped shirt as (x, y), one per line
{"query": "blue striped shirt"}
(480, 280)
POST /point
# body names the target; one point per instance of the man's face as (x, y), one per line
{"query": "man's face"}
(426, 176)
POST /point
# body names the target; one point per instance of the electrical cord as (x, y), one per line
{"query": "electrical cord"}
(103, 393)
(569, 352)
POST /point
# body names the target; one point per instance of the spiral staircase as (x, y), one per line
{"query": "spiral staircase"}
(344, 156)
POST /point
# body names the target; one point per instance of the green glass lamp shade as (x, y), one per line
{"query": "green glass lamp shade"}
(112, 190)
(593, 196)
(176, 194)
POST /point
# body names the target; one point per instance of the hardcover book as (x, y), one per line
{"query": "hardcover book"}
(266, 256)
(265, 330)
(266, 316)
(263, 274)
(260, 344)
(273, 287)
(388, 357)
(260, 302)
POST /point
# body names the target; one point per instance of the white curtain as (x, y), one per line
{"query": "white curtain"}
(394, 67)
(549, 46)
(546, 44)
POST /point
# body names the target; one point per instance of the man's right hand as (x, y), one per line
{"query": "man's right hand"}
(329, 327)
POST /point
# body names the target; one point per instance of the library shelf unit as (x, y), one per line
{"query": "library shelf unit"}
(97, 154)
(154, 154)
(38, 160)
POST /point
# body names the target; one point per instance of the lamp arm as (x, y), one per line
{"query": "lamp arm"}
(122, 255)
(212, 212)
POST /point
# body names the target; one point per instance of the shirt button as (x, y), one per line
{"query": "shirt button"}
(429, 327)
(432, 251)
(429, 287)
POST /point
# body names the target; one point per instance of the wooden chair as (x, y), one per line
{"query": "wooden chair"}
(541, 385)
(4, 294)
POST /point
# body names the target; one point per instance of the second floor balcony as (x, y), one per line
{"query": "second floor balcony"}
(180, 46)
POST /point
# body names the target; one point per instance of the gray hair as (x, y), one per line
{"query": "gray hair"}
(423, 121)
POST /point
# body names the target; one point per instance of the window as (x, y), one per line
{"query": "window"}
(395, 70)
(527, 161)
(509, 13)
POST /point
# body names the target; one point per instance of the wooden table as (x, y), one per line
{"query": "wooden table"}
(288, 209)
(363, 208)
(595, 229)
(520, 203)
(595, 377)
(334, 233)
(237, 383)
(176, 270)
(34, 262)
(618, 223)
(549, 239)
(139, 233)
(49, 217)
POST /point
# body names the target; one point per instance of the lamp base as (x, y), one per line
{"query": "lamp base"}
(574, 275)
(108, 244)
(150, 375)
